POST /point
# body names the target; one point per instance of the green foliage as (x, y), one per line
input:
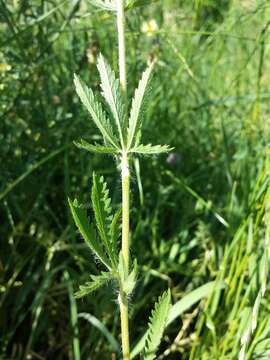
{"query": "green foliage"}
(111, 91)
(128, 280)
(210, 101)
(180, 307)
(112, 94)
(115, 226)
(138, 107)
(96, 282)
(102, 328)
(131, 4)
(80, 218)
(109, 5)
(82, 144)
(103, 215)
(150, 149)
(107, 224)
(157, 325)
(94, 107)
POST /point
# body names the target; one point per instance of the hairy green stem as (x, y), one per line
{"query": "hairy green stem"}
(125, 209)
(123, 301)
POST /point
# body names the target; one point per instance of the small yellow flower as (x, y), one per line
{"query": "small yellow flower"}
(149, 27)
(4, 67)
(91, 58)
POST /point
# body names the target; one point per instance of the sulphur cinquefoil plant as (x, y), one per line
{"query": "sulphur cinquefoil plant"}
(121, 132)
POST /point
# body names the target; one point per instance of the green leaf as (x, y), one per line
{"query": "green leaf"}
(94, 107)
(138, 106)
(157, 325)
(150, 149)
(115, 227)
(103, 215)
(180, 307)
(122, 269)
(96, 282)
(111, 91)
(109, 5)
(82, 144)
(86, 230)
(130, 281)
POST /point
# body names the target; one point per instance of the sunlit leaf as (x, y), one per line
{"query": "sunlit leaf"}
(150, 149)
(82, 144)
(87, 232)
(138, 106)
(157, 325)
(94, 107)
(111, 91)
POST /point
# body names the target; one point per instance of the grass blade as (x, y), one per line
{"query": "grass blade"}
(102, 328)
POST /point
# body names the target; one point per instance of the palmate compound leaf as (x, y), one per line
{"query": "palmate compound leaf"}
(103, 215)
(96, 282)
(111, 91)
(87, 232)
(96, 148)
(157, 325)
(150, 149)
(109, 5)
(94, 107)
(138, 106)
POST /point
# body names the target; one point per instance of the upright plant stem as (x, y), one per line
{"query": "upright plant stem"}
(121, 44)
(125, 209)
(123, 301)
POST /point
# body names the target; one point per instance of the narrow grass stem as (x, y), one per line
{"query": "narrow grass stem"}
(123, 301)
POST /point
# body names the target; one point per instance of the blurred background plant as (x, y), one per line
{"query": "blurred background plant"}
(202, 213)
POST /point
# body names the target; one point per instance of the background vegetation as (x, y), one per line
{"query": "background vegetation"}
(200, 214)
